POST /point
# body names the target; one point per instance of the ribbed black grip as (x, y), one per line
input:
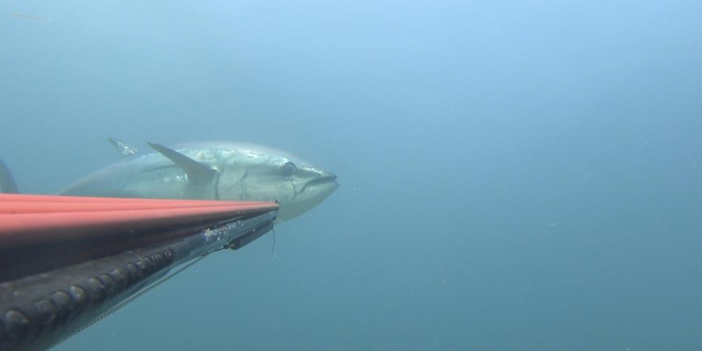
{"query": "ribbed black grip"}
(59, 301)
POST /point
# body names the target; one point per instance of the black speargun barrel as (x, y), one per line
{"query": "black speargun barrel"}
(66, 262)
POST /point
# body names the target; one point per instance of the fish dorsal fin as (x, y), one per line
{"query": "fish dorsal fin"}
(7, 182)
(123, 148)
(197, 172)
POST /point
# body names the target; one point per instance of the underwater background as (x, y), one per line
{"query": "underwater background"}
(515, 175)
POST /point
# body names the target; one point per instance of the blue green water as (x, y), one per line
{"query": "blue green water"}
(515, 175)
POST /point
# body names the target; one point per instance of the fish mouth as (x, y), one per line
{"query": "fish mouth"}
(308, 195)
(328, 178)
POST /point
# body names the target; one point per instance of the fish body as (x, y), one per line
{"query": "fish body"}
(213, 171)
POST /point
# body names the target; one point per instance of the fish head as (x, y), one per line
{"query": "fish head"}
(259, 173)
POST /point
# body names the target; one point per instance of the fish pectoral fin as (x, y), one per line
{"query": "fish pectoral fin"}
(197, 172)
(123, 148)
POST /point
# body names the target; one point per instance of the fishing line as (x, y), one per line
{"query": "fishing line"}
(273, 247)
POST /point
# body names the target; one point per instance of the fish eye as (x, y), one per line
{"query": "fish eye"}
(289, 168)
